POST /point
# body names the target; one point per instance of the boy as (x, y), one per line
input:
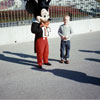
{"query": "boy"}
(65, 34)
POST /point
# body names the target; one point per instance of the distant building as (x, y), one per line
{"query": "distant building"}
(11, 5)
(84, 5)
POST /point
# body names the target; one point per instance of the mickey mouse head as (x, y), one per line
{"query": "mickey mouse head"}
(39, 8)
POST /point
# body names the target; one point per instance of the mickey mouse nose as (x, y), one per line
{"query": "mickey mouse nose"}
(49, 19)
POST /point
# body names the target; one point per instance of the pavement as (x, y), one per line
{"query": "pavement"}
(20, 79)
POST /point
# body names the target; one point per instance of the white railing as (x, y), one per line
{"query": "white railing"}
(13, 13)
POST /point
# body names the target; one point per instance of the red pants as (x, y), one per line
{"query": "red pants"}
(42, 50)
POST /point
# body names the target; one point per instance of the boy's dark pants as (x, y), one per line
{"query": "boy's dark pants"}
(65, 49)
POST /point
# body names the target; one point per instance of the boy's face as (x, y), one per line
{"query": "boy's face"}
(66, 20)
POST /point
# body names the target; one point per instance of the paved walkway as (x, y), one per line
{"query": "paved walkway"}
(20, 79)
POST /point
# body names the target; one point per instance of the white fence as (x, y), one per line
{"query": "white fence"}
(13, 13)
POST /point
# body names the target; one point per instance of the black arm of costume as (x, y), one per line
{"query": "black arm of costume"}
(36, 29)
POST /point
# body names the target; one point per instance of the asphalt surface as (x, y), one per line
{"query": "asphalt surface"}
(20, 79)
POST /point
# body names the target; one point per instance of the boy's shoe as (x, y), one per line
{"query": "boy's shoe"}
(67, 61)
(40, 67)
(47, 64)
(62, 61)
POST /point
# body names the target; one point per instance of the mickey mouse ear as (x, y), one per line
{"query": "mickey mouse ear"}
(31, 6)
(44, 4)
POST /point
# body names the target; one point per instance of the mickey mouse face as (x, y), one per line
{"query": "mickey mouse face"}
(44, 16)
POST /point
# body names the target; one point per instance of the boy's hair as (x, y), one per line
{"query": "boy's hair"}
(67, 15)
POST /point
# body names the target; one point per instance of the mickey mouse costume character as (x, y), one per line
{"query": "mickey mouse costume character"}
(40, 28)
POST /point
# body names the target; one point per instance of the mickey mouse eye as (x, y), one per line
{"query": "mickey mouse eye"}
(44, 15)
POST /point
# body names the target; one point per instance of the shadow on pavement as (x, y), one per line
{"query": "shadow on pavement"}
(93, 59)
(21, 61)
(73, 75)
(90, 51)
(20, 54)
(16, 60)
(26, 55)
